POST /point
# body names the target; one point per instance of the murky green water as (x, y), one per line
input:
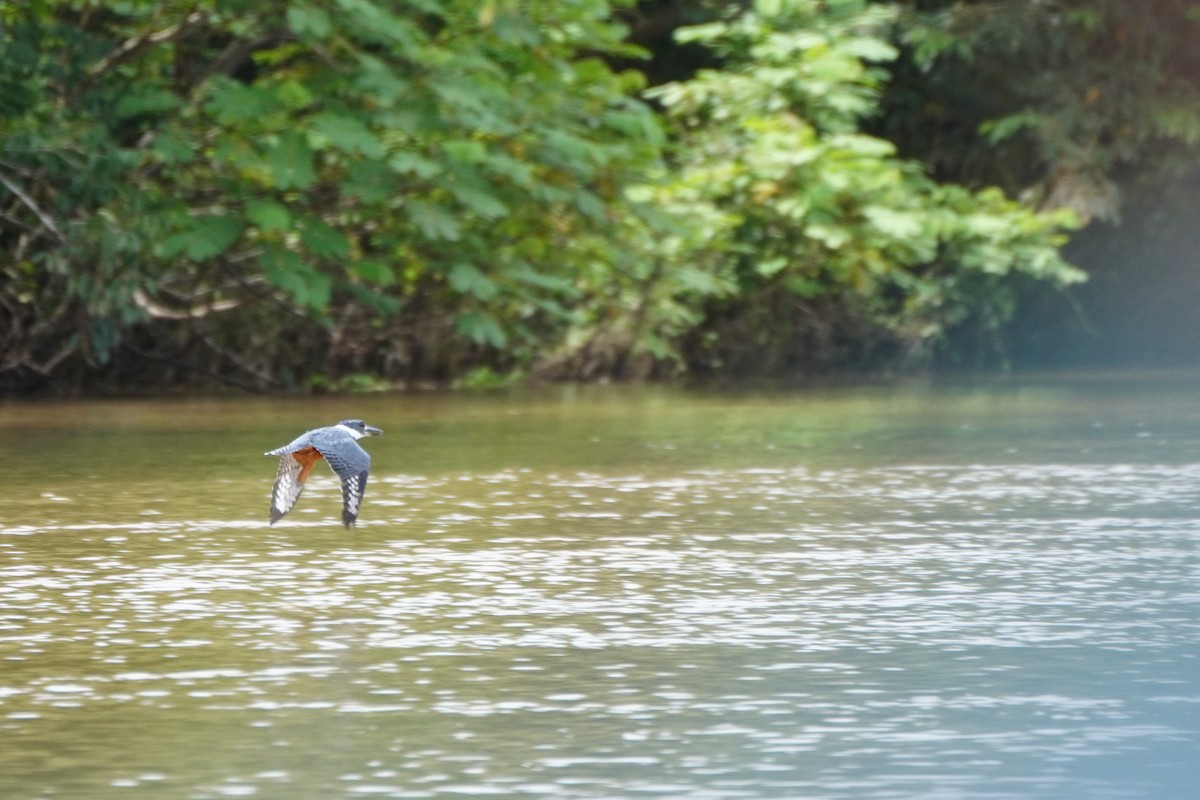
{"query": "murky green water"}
(954, 592)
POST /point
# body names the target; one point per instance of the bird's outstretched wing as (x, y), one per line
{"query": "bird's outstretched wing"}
(352, 494)
(299, 443)
(352, 464)
(297, 461)
(287, 487)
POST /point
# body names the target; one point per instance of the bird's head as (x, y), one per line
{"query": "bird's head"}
(358, 429)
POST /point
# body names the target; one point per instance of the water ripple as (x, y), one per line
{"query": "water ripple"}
(980, 631)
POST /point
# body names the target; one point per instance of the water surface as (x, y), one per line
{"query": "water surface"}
(926, 591)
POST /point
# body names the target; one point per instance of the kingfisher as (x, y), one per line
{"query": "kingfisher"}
(337, 444)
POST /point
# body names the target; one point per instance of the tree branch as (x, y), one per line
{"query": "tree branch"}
(46, 220)
(159, 311)
(131, 47)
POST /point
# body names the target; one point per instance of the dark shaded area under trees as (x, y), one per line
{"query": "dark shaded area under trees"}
(354, 194)
(1088, 104)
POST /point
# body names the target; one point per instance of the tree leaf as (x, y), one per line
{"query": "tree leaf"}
(372, 271)
(348, 134)
(414, 163)
(434, 222)
(481, 328)
(323, 241)
(147, 100)
(371, 181)
(208, 236)
(467, 151)
(307, 21)
(374, 21)
(291, 162)
(869, 49)
(232, 102)
(268, 215)
(481, 201)
(467, 279)
(897, 224)
(287, 270)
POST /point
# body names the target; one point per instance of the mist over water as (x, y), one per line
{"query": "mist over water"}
(936, 592)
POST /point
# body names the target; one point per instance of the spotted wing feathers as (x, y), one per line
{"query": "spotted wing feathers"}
(351, 463)
(352, 495)
(287, 487)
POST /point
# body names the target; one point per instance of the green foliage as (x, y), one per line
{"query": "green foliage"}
(432, 159)
(1070, 99)
(271, 191)
(485, 378)
(796, 200)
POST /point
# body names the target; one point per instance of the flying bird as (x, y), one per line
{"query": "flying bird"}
(337, 444)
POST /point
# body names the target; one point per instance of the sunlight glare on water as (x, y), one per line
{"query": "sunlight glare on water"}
(641, 594)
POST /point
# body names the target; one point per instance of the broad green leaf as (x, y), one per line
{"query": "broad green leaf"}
(286, 270)
(294, 94)
(701, 33)
(371, 181)
(372, 271)
(832, 236)
(573, 152)
(291, 162)
(416, 164)
(699, 281)
(769, 267)
(379, 80)
(481, 328)
(519, 172)
(467, 279)
(481, 201)
(150, 100)
(768, 8)
(323, 241)
(376, 22)
(384, 305)
(208, 236)
(233, 102)
(348, 134)
(174, 147)
(899, 224)
(859, 144)
(806, 286)
(269, 215)
(556, 283)
(467, 151)
(589, 205)
(869, 49)
(308, 21)
(433, 221)
(1006, 127)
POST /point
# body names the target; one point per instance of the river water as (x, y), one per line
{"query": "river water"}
(923, 591)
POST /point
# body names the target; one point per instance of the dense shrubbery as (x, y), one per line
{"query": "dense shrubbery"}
(357, 192)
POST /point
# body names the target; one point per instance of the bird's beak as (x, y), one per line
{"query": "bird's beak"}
(372, 431)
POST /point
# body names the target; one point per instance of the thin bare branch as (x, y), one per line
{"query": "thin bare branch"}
(159, 311)
(46, 220)
(131, 47)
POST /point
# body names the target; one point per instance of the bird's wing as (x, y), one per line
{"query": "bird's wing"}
(288, 485)
(352, 494)
(344, 455)
(351, 463)
(299, 443)
(299, 455)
